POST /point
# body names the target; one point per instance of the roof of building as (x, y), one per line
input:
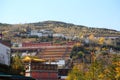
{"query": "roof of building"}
(28, 59)
(6, 42)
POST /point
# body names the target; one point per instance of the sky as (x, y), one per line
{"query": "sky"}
(91, 13)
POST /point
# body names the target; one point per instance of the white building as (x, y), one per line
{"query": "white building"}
(36, 33)
(58, 35)
(60, 63)
(4, 53)
(41, 33)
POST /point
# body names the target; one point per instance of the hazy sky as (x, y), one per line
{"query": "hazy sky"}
(92, 13)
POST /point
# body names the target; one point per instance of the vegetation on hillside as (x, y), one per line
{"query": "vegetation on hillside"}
(97, 70)
(67, 29)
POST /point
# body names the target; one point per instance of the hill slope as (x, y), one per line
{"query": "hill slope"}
(67, 29)
(74, 30)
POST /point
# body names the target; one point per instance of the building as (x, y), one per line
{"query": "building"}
(5, 71)
(46, 50)
(1, 35)
(41, 33)
(59, 63)
(5, 52)
(36, 33)
(58, 35)
(63, 73)
(46, 33)
(37, 69)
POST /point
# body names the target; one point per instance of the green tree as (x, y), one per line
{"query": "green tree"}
(78, 51)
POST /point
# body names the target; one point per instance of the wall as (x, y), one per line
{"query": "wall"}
(4, 54)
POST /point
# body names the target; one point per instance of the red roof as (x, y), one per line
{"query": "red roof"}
(6, 43)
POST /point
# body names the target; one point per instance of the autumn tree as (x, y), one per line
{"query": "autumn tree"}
(17, 65)
(101, 40)
(75, 74)
(97, 70)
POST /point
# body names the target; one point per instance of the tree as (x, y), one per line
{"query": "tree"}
(17, 65)
(78, 51)
(101, 40)
(97, 70)
(91, 37)
(75, 74)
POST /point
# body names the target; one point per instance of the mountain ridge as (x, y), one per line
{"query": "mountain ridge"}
(54, 22)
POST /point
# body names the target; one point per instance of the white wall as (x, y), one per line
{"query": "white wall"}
(4, 54)
(58, 35)
(36, 33)
(59, 62)
(41, 33)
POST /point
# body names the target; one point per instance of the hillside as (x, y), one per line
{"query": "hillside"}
(74, 30)
(67, 29)
(4, 24)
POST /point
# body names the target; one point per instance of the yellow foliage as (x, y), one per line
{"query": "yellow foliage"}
(81, 35)
(101, 76)
(75, 73)
(78, 44)
(104, 49)
(101, 40)
(106, 70)
(95, 71)
(117, 69)
(5, 32)
(117, 63)
(91, 37)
